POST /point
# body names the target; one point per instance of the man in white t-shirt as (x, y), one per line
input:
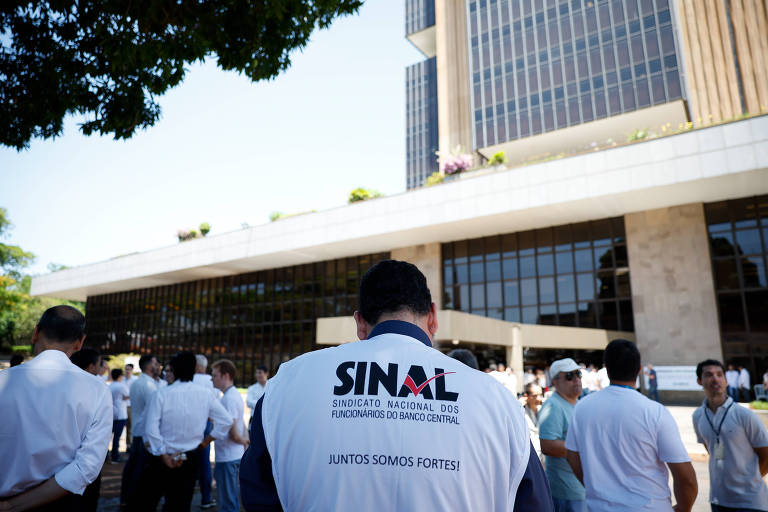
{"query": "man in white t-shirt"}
(620, 444)
(745, 394)
(732, 376)
(389, 422)
(229, 450)
(120, 396)
(256, 390)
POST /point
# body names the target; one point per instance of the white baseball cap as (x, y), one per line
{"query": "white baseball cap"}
(562, 365)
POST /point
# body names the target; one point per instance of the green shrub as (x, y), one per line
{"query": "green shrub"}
(205, 228)
(434, 179)
(362, 194)
(497, 159)
(637, 135)
(759, 405)
(21, 349)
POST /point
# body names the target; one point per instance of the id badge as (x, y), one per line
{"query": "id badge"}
(719, 450)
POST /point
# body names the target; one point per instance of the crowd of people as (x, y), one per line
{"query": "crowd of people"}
(389, 423)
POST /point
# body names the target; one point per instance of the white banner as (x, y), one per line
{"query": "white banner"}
(677, 378)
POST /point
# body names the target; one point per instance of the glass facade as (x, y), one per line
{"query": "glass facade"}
(542, 65)
(738, 236)
(421, 137)
(572, 275)
(258, 318)
(419, 14)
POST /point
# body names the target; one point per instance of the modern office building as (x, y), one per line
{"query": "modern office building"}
(663, 241)
(536, 78)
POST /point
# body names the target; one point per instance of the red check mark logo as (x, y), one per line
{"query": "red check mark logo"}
(417, 389)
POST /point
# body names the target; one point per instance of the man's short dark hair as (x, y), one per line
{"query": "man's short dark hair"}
(708, 362)
(391, 286)
(465, 356)
(64, 324)
(530, 386)
(86, 357)
(145, 360)
(17, 359)
(622, 360)
(183, 365)
(262, 368)
(225, 366)
(116, 373)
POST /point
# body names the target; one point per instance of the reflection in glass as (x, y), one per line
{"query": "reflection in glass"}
(731, 312)
(566, 291)
(564, 262)
(494, 295)
(528, 291)
(586, 286)
(511, 293)
(583, 259)
(546, 290)
(749, 241)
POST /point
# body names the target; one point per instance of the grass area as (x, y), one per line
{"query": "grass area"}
(759, 405)
(21, 349)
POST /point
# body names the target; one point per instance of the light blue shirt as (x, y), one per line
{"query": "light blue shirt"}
(735, 481)
(141, 392)
(554, 419)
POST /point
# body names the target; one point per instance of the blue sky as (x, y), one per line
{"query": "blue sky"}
(226, 151)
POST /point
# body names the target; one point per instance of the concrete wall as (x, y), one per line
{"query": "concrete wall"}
(672, 286)
(427, 258)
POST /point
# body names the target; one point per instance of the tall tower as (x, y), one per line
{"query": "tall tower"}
(536, 78)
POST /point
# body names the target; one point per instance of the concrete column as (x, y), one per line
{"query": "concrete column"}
(673, 295)
(427, 258)
(453, 115)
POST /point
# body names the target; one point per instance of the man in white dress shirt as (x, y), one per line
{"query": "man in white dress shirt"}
(57, 420)
(174, 427)
(256, 391)
(205, 478)
(229, 450)
(128, 380)
(142, 389)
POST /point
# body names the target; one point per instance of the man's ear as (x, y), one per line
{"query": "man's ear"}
(362, 326)
(432, 320)
(78, 344)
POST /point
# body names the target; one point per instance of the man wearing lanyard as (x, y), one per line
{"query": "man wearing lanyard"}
(620, 444)
(737, 443)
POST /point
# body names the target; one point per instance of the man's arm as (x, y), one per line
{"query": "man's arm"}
(236, 436)
(684, 485)
(574, 460)
(553, 447)
(250, 397)
(533, 494)
(762, 458)
(44, 493)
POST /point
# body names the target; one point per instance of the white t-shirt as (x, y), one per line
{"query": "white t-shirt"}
(732, 376)
(128, 380)
(226, 449)
(119, 405)
(392, 423)
(624, 441)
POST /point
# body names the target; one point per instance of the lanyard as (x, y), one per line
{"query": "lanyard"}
(720, 427)
(624, 386)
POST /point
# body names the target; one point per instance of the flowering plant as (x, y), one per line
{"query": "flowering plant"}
(457, 162)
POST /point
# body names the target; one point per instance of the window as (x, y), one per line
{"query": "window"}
(575, 274)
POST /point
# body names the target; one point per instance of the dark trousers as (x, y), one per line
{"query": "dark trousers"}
(745, 395)
(653, 394)
(117, 431)
(177, 485)
(138, 460)
(90, 500)
(720, 508)
(205, 476)
(69, 503)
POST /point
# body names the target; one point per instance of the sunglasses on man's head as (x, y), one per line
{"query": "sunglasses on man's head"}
(575, 374)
